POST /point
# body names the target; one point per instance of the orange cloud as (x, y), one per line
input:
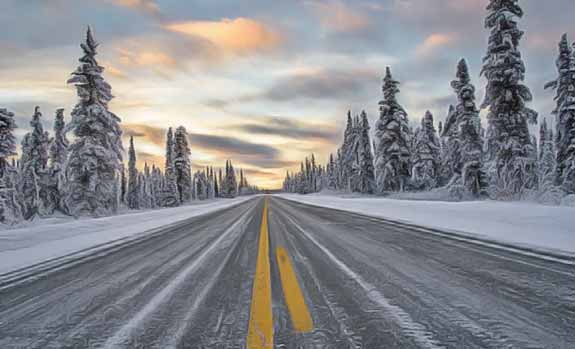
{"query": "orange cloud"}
(336, 16)
(240, 35)
(433, 42)
(146, 58)
(147, 6)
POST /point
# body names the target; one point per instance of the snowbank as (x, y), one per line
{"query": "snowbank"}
(523, 224)
(54, 238)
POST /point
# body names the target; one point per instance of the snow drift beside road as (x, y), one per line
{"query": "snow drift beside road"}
(525, 224)
(48, 239)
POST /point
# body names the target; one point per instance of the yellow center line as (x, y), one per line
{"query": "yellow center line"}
(261, 331)
(300, 317)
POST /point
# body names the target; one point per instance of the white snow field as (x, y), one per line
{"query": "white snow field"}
(49, 239)
(545, 228)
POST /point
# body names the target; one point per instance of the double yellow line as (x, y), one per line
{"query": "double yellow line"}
(261, 331)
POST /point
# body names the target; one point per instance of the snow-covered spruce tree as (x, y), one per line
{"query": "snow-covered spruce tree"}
(59, 144)
(331, 174)
(170, 196)
(7, 139)
(392, 139)
(465, 125)
(33, 170)
(10, 211)
(58, 153)
(95, 157)
(231, 185)
(450, 150)
(132, 199)
(346, 154)
(511, 154)
(157, 181)
(366, 171)
(200, 186)
(546, 157)
(182, 165)
(565, 116)
(426, 156)
(123, 186)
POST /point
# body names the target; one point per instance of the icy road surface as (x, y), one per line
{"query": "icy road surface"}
(326, 278)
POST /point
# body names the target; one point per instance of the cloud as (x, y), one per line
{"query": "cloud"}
(434, 42)
(241, 151)
(291, 129)
(150, 7)
(237, 36)
(320, 84)
(146, 58)
(155, 135)
(337, 17)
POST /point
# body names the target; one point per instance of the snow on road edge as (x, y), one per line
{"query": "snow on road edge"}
(23, 247)
(546, 228)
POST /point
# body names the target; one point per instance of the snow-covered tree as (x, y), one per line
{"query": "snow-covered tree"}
(33, 168)
(346, 154)
(157, 180)
(511, 154)
(95, 157)
(365, 158)
(10, 211)
(546, 156)
(200, 186)
(132, 197)
(7, 139)
(392, 139)
(565, 116)
(465, 143)
(182, 165)
(229, 186)
(170, 196)
(59, 144)
(426, 155)
(58, 153)
(331, 174)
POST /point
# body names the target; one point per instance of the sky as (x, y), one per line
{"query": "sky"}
(264, 83)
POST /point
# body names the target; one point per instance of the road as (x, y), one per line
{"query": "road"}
(271, 272)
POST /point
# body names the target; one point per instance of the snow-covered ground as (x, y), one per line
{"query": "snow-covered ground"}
(524, 224)
(47, 239)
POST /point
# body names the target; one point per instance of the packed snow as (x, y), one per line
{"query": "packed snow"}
(28, 245)
(537, 226)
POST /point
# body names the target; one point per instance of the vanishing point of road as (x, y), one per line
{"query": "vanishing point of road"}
(273, 273)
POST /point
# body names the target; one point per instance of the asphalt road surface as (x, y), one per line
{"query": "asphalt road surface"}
(274, 273)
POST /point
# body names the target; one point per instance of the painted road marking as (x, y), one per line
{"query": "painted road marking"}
(300, 317)
(261, 330)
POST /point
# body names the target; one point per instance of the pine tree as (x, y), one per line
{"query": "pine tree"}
(133, 188)
(56, 181)
(366, 169)
(347, 154)
(182, 165)
(7, 139)
(156, 185)
(511, 153)
(393, 138)
(170, 196)
(95, 157)
(546, 157)
(331, 174)
(10, 210)
(426, 157)
(467, 165)
(59, 144)
(33, 168)
(565, 116)
(123, 186)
